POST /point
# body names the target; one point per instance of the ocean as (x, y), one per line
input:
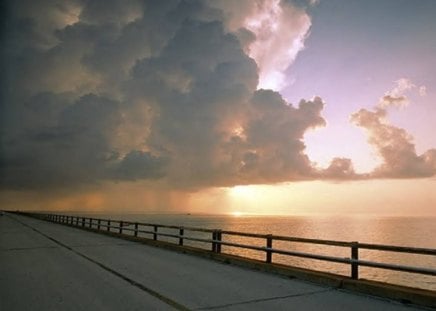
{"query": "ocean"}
(398, 231)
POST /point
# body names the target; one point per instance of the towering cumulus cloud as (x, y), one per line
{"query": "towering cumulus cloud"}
(169, 92)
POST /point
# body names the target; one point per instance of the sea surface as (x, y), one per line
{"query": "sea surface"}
(398, 231)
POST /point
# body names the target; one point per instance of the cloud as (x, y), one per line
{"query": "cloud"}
(340, 168)
(63, 144)
(393, 144)
(280, 29)
(397, 96)
(270, 147)
(202, 88)
(272, 32)
(165, 91)
(138, 165)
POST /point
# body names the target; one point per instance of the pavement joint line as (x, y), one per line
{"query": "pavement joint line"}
(97, 245)
(265, 299)
(159, 296)
(26, 248)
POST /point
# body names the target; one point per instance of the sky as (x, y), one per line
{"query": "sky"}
(244, 107)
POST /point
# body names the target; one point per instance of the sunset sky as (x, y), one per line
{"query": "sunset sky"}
(244, 107)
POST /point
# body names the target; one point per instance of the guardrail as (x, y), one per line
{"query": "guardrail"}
(218, 239)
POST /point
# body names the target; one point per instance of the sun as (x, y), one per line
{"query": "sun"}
(246, 200)
(237, 214)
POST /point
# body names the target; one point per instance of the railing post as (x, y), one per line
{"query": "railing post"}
(83, 221)
(108, 228)
(155, 233)
(181, 232)
(77, 221)
(90, 222)
(268, 248)
(354, 256)
(136, 229)
(214, 232)
(98, 224)
(121, 227)
(218, 244)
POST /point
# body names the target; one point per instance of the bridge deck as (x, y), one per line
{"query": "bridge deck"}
(46, 266)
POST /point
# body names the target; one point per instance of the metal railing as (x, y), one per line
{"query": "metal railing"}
(219, 238)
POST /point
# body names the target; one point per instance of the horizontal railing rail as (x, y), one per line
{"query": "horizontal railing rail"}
(216, 241)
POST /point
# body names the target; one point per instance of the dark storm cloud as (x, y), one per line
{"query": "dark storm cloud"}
(211, 121)
(59, 147)
(131, 90)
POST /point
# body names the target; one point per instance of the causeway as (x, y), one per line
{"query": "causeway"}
(48, 266)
